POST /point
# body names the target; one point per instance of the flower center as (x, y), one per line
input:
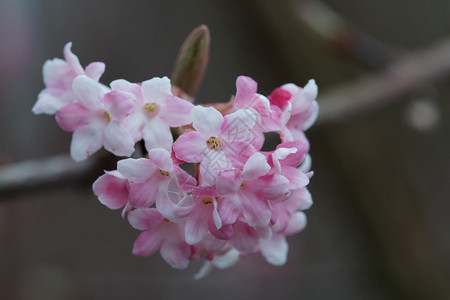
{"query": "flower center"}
(164, 173)
(107, 115)
(207, 201)
(213, 143)
(151, 107)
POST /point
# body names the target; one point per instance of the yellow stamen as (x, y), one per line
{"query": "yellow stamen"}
(151, 107)
(107, 115)
(207, 201)
(213, 143)
(164, 173)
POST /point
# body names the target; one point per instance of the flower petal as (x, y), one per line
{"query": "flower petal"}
(95, 70)
(72, 116)
(111, 190)
(190, 147)
(275, 250)
(176, 111)
(196, 226)
(255, 166)
(156, 89)
(137, 170)
(86, 140)
(88, 92)
(177, 255)
(143, 194)
(118, 140)
(256, 211)
(145, 218)
(147, 243)
(206, 120)
(156, 134)
(161, 159)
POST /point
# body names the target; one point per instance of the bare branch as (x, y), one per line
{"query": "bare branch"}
(35, 173)
(378, 90)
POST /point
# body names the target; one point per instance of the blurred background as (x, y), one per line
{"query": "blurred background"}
(379, 227)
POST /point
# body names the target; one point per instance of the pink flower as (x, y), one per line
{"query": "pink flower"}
(149, 178)
(305, 110)
(96, 120)
(274, 111)
(218, 143)
(58, 77)
(249, 192)
(204, 217)
(159, 234)
(156, 110)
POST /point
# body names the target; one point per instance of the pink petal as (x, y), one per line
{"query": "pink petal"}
(245, 238)
(177, 255)
(246, 88)
(256, 211)
(118, 140)
(271, 186)
(147, 243)
(176, 111)
(173, 205)
(86, 140)
(137, 170)
(237, 126)
(206, 120)
(297, 179)
(88, 92)
(145, 218)
(190, 147)
(161, 159)
(297, 222)
(156, 134)
(111, 190)
(229, 182)
(53, 73)
(47, 103)
(118, 104)
(73, 116)
(143, 194)
(255, 166)
(196, 226)
(95, 70)
(156, 89)
(229, 209)
(275, 250)
(126, 86)
(72, 59)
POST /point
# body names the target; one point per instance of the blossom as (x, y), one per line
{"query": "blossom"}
(149, 177)
(159, 234)
(96, 120)
(155, 110)
(207, 192)
(218, 143)
(305, 110)
(248, 192)
(58, 77)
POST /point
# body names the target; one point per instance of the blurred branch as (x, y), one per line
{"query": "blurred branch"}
(379, 90)
(339, 32)
(42, 172)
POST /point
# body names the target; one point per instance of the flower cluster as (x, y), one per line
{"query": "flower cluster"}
(204, 190)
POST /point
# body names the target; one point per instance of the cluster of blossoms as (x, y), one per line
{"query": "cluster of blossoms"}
(238, 200)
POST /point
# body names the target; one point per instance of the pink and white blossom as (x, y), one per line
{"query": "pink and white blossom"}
(155, 110)
(235, 200)
(58, 77)
(218, 143)
(96, 120)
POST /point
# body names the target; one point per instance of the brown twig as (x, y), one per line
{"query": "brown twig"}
(379, 90)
